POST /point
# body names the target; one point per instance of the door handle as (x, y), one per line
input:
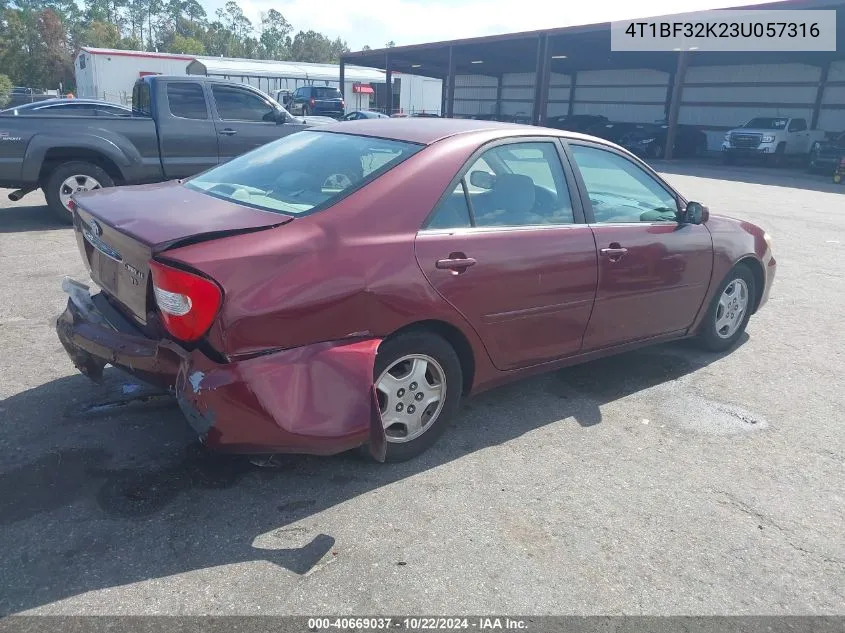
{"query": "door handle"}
(614, 252)
(228, 131)
(456, 262)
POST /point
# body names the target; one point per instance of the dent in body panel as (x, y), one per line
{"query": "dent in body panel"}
(317, 399)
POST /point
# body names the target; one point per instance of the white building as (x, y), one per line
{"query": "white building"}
(109, 74)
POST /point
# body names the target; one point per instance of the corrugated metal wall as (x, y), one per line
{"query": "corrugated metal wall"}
(622, 95)
(714, 98)
(728, 96)
(560, 88)
(831, 117)
(475, 94)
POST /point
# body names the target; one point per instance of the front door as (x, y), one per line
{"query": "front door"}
(246, 120)
(509, 250)
(653, 271)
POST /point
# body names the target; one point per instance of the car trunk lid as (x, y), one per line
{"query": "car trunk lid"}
(120, 229)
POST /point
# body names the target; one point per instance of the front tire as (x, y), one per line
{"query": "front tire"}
(419, 383)
(71, 178)
(729, 311)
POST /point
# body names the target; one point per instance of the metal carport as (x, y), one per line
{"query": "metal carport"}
(577, 71)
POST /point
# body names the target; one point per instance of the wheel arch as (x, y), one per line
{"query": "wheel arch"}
(454, 336)
(756, 268)
(56, 156)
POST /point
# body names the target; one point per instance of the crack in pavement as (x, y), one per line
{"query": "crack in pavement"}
(733, 501)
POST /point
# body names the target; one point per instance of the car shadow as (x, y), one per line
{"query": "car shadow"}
(751, 173)
(105, 486)
(21, 218)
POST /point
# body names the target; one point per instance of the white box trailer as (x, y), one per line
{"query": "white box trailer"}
(419, 94)
(109, 74)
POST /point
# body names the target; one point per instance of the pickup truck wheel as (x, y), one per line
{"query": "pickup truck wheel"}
(777, 159)
(68, 179)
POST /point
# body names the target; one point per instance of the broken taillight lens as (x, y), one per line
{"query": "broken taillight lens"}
(188, 302)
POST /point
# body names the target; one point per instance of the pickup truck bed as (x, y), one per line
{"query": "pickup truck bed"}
(180, 127)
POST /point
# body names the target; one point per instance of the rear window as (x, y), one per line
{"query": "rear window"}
(303, 172)
(326, 93)
(141, 99)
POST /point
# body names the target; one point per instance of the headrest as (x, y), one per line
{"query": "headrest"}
(514, 193)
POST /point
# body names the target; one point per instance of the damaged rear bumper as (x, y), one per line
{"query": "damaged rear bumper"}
(317, 399)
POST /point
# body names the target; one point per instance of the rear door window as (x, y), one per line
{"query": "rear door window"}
(186, 100)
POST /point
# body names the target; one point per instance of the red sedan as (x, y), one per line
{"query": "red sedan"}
(345, 286)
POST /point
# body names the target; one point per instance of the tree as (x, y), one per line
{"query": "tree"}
(186, 45)
(54, 57)
(194, 12)
(5, 88)
(100, 35)
(275, 30)
(390, 44)
(366, 47)
(310, 46)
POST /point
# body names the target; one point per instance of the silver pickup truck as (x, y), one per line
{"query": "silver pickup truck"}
(770, 138)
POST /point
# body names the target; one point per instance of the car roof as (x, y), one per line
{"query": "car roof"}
(425, 130)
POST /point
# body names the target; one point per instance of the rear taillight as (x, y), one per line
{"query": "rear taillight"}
(312, 102)
(342, 103)
(188, 303)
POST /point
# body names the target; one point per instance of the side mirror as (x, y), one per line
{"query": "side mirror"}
(482, 179)
(695, 213)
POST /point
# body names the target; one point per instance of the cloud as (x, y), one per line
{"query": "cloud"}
(375, 22)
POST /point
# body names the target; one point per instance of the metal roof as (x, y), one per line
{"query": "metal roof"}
(586, 47)
(207, 64)
(271, 68)
(123, 53)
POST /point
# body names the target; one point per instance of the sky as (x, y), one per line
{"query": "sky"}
(376, 22)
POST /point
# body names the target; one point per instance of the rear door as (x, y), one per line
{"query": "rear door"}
(508, 248)
(246, 120)
(653, 272)
(187, 137)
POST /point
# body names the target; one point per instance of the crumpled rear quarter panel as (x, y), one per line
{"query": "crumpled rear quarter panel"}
(316, 399)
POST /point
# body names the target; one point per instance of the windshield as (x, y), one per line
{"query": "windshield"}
(327, 93)
(302, 172)
(767, 123)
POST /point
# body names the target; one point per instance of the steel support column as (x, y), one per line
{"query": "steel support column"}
(541, 81)
(675, 104)
(820, 95)
(499, 78)
(571, 109)
(343, 81)
(388, 80)
(450, 90)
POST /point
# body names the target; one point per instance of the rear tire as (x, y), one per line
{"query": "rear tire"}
(69, 178)
(719, 332)
(393, 375)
